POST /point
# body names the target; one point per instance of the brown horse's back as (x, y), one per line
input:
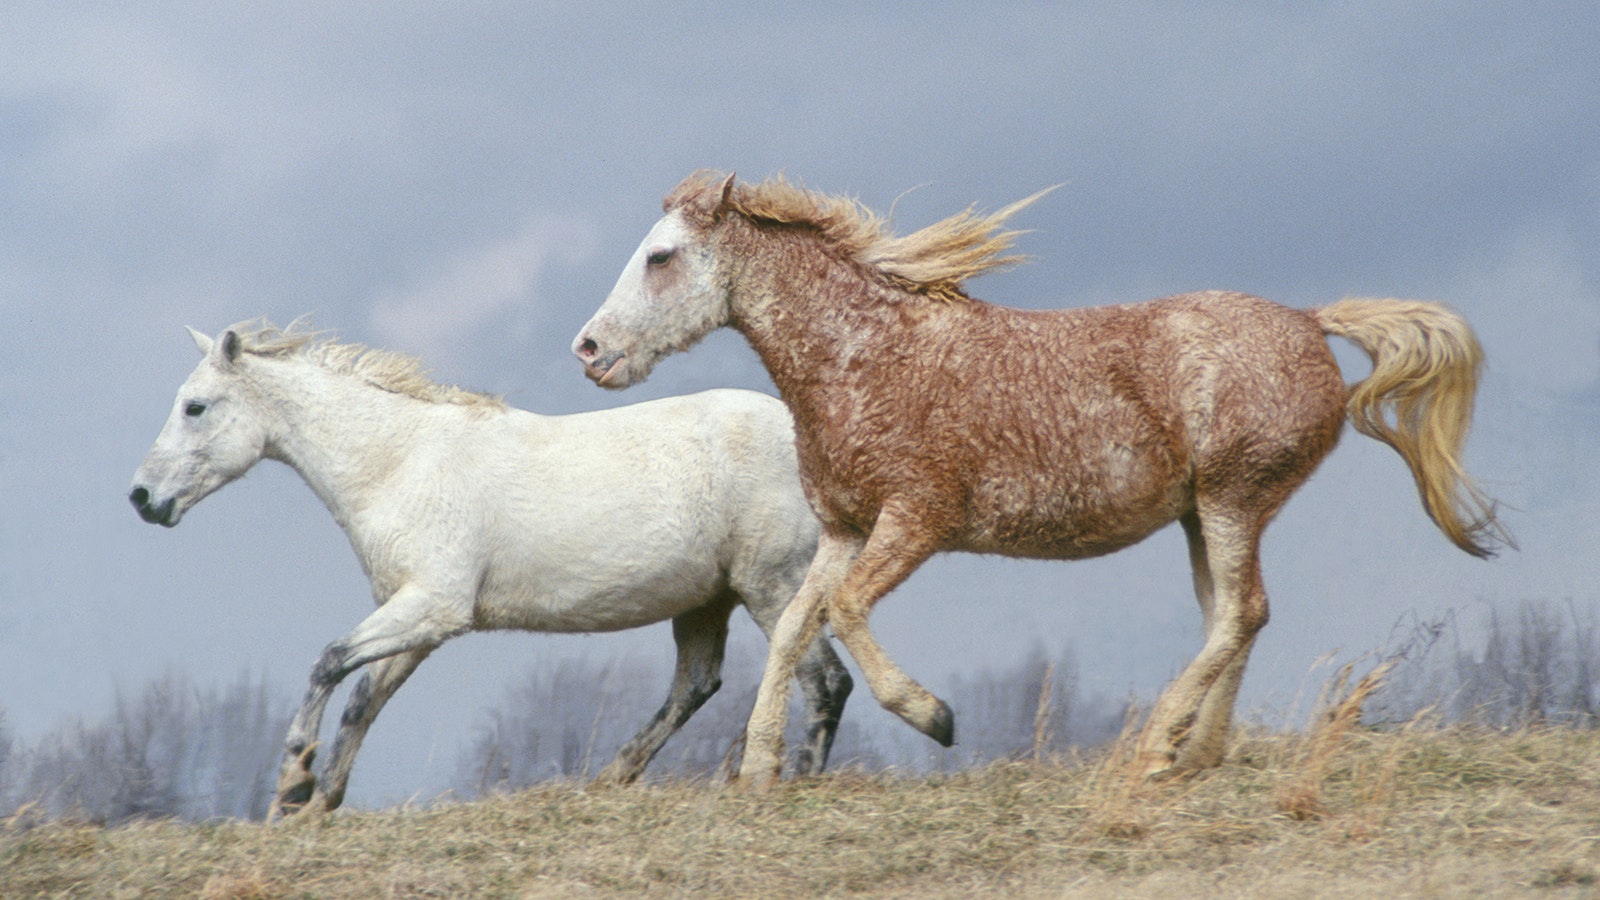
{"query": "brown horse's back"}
(1074, 433)
(1260, 391)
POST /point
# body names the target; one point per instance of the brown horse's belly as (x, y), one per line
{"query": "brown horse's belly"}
(1068, 521)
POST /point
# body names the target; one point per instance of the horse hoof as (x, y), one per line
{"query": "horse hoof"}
(611, 780)
(294, 795)
(942, 727)
(761, 779)
(1155, 766)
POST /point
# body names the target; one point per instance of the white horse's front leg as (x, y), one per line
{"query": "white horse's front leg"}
(797, 627)
(374, 689)
(412, 619)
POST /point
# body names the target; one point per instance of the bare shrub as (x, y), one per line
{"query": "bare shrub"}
(7, 806)
(171, 750)
(1032, 707)
(551, 723)
(1339, 711)
(566, 719)
(1535, 663)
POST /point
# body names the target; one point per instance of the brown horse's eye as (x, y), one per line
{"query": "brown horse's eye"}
(659, 257)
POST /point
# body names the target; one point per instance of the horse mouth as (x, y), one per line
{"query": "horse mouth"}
(160, 514)
(614, 376)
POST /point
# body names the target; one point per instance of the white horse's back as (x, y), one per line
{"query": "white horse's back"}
(604, 520)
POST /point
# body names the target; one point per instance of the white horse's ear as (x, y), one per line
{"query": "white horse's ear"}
(201, 340)
(228, 348)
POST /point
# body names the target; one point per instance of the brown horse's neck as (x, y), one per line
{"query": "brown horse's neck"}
(815, 319)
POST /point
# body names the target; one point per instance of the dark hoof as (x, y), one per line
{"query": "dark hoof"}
(296, 796)
(943, 726)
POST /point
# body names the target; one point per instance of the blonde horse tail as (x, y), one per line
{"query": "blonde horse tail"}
(1425, 365)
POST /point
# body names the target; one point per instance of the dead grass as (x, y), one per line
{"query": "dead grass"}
(1412, 813)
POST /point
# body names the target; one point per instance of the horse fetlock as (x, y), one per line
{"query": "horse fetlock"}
(759, 778)
(1178, 732)
(1155, 765)
(813, 757)
(806, 761)
(620, 772)
(301, 753)
(762, 764)
(929, 715)
(1200, 755)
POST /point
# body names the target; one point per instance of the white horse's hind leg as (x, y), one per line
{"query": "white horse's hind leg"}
(1188, 726)
(826, 685)
(799, 625)
(702, 636)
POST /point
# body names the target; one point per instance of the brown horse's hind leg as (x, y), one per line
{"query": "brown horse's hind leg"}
(892, 553)
(1208, 740)
(1189, 726)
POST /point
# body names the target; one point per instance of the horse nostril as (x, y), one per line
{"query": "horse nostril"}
(140, 498)
(588, 350)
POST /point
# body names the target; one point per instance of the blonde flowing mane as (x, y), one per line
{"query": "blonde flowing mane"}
(385, 369)
(934, 261)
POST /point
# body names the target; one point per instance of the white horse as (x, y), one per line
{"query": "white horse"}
(469, 515)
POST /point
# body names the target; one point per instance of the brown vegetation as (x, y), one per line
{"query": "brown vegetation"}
(1412, 812)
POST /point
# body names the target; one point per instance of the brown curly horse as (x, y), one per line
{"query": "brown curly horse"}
(929, 421)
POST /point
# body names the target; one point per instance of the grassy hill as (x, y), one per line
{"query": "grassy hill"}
(1409, 813)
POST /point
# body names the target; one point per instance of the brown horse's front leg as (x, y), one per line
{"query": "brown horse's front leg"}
(796, 629)
(897, 546)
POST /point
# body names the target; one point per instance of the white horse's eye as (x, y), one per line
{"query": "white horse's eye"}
(659, 256)
(194, 410)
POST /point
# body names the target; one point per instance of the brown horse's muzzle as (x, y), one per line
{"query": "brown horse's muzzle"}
(607, 369)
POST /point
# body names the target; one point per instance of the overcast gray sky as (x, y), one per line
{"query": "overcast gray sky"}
(464, 181)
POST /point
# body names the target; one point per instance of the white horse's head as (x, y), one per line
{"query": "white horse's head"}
(669, 296)
(214, 434)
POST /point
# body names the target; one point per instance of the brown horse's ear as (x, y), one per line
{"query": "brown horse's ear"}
(701, 198)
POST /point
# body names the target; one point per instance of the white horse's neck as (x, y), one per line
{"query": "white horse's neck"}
(342, 434)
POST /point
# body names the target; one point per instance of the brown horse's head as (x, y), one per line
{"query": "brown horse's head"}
(669, 295)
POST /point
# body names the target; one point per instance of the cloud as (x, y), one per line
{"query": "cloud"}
(481, 286)
(1536, 309)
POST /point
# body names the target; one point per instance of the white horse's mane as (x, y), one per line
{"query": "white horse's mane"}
(386, 369)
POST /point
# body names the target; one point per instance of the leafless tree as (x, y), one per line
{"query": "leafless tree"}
(1531, 663)
(171, 750)
(564, 719)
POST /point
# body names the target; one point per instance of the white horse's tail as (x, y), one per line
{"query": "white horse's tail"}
(1425, 365)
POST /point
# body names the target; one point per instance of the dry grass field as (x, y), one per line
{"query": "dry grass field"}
(1343, 811)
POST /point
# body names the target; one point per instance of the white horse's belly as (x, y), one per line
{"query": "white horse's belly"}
(605, 587)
